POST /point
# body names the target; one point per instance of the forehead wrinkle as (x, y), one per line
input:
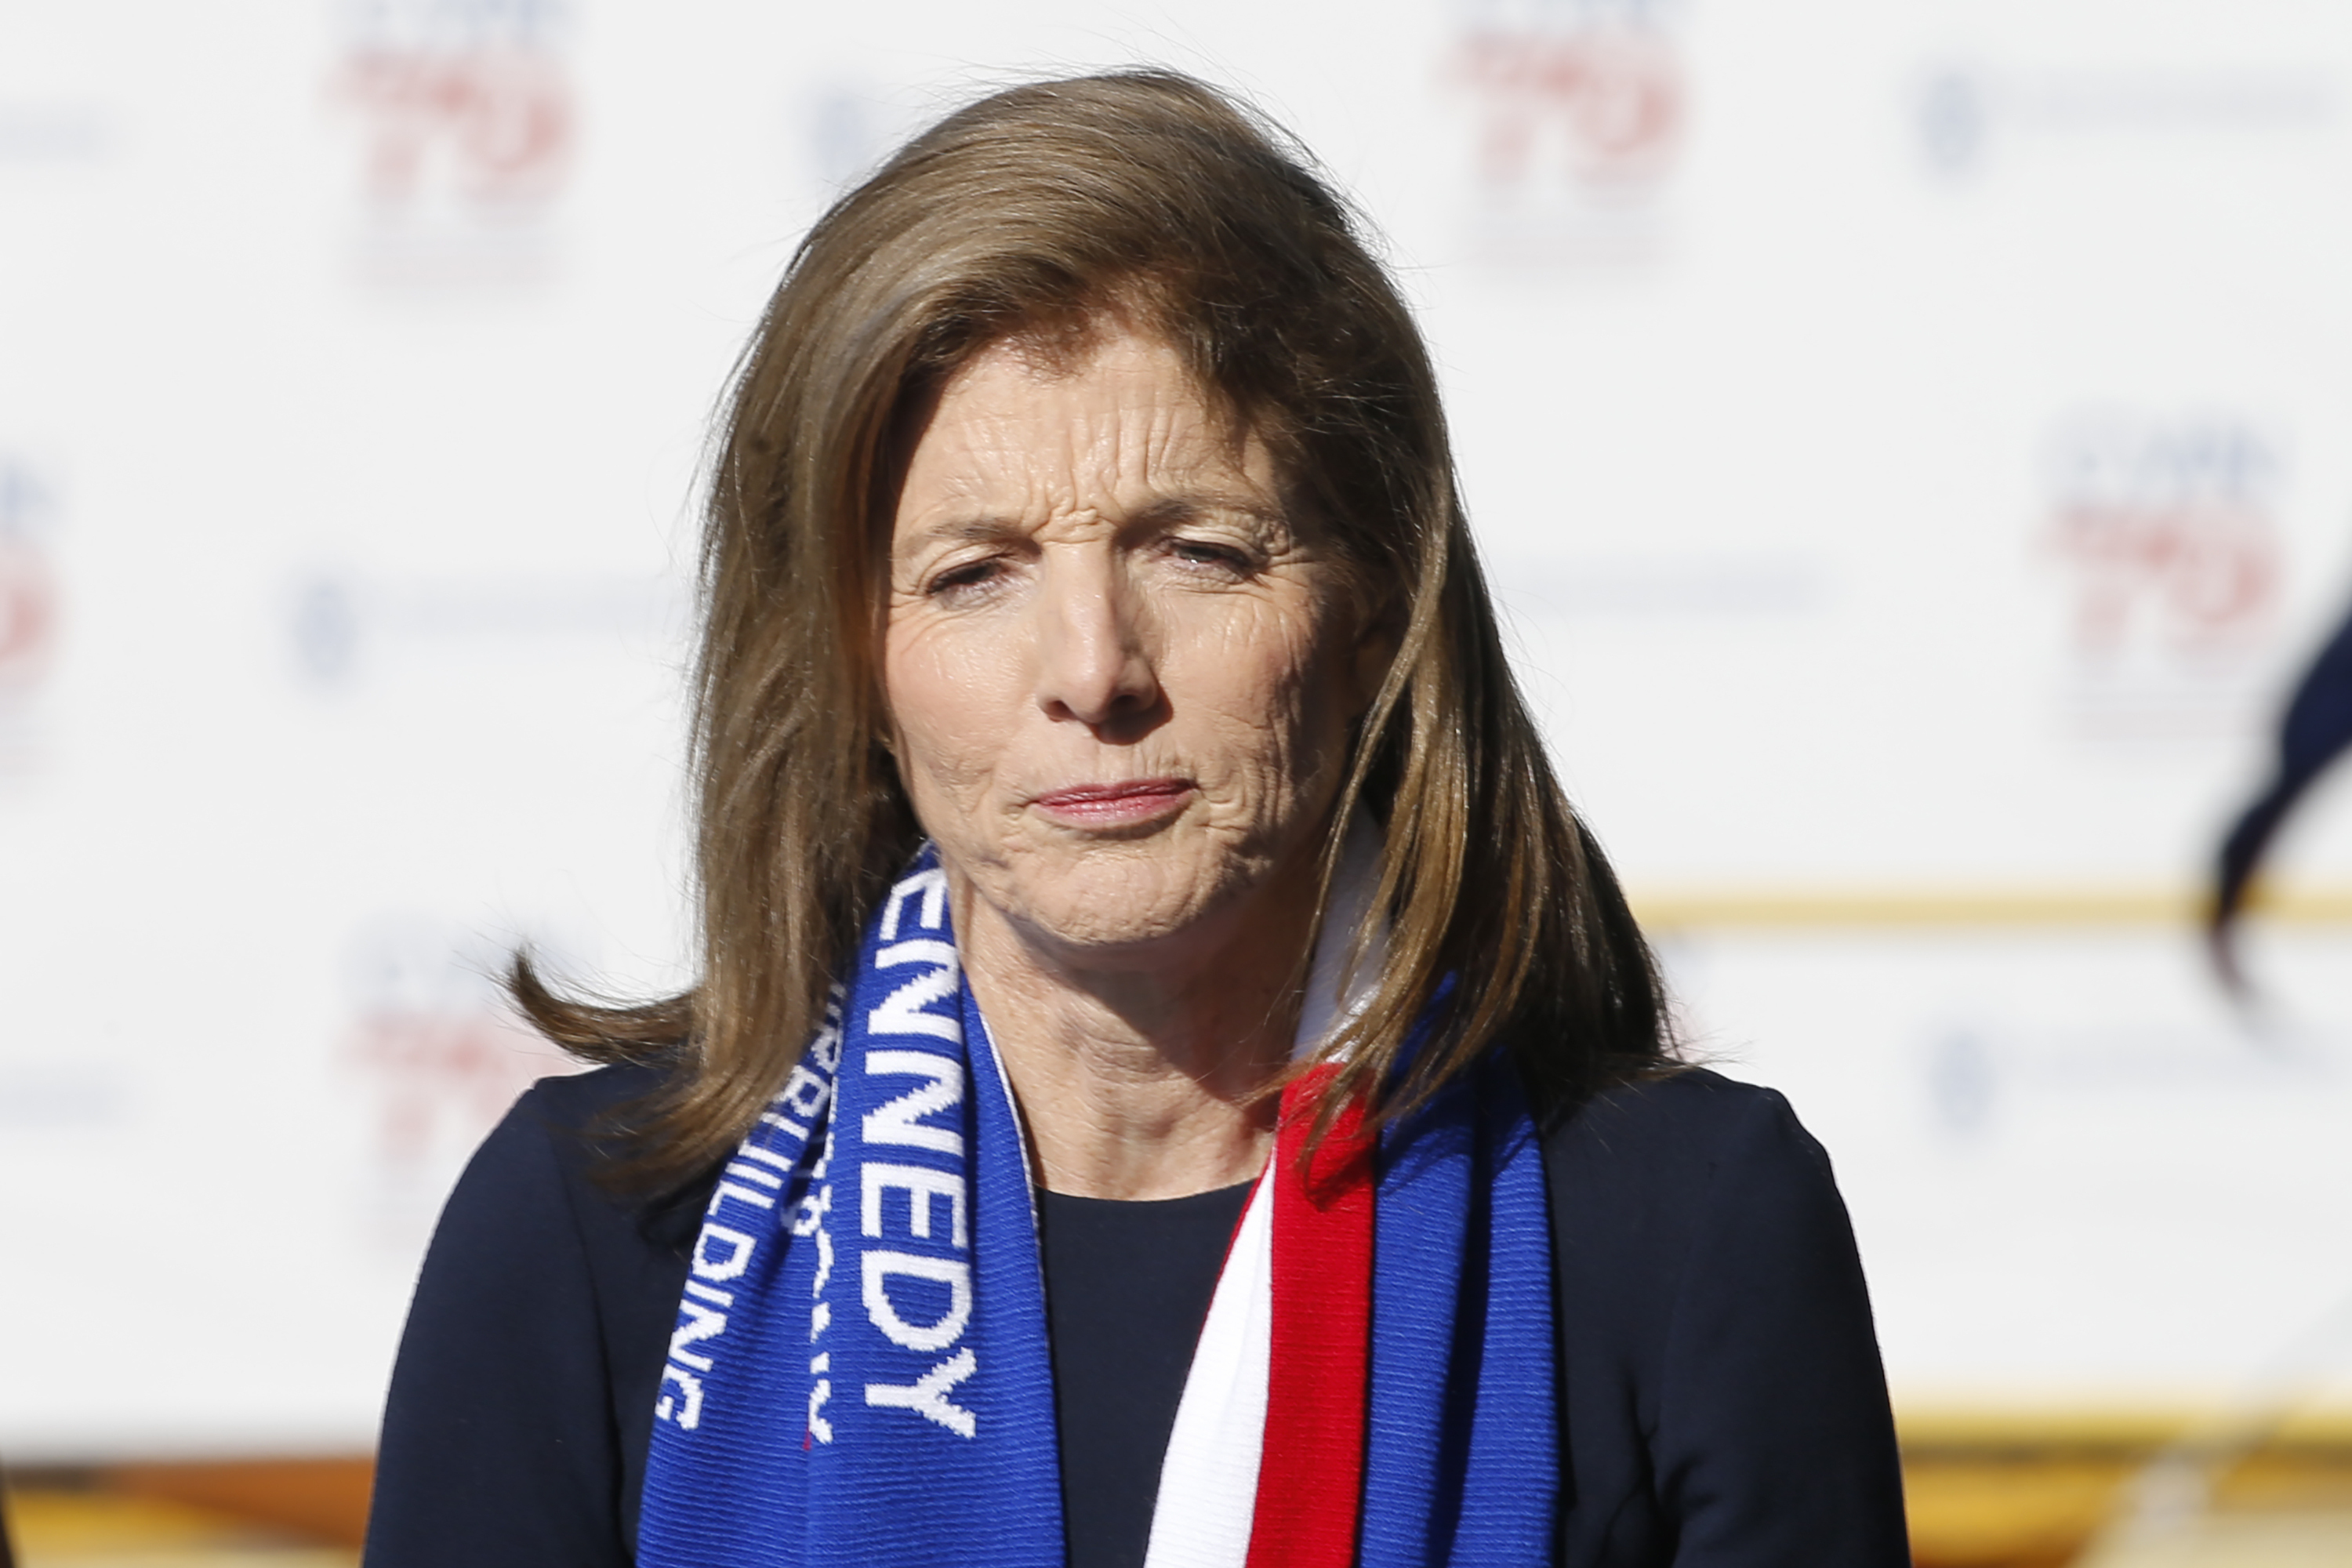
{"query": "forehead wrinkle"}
(1021, 451)
(1105, 474)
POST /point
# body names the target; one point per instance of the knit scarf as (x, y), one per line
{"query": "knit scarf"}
(860, 1373)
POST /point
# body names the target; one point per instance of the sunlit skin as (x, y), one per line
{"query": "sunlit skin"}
(1120, 674)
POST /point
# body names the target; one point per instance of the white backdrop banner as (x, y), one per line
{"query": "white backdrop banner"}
(1913, 446)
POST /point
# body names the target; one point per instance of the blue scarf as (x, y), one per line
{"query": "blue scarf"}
(860, 1373)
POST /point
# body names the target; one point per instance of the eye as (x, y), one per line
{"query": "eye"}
(964, 580)
(1204, 555)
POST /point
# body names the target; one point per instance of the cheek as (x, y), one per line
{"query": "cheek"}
(943, 703)
(1270, 681)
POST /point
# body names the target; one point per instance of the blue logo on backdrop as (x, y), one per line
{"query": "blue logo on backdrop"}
(1963, 114)
(344, 627)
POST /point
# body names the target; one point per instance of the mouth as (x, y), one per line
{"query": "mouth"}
(1121, 805)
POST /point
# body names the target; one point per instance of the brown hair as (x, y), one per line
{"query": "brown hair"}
(1038, 210)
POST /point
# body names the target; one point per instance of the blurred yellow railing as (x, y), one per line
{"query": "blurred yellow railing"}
(1668, 909)
(1992, 1489)
(1985, 1488)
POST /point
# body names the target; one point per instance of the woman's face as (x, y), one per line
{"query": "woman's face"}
(1120, 674)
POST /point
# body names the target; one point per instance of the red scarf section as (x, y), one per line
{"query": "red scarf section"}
(1310, 1478)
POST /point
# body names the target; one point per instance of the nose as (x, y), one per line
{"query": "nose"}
(1094, 665)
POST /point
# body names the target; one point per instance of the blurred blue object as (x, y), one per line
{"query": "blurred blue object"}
(2314, 732)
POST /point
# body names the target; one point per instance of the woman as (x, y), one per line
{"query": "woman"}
(1236, 1122)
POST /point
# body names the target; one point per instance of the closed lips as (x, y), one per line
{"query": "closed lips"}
(1114, 801)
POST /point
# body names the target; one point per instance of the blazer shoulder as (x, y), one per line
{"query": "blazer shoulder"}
(521, 1406)
(580, 1120)
(1636, 1173)
(1720, 1371)
(588, 1104)
(1679, 1127)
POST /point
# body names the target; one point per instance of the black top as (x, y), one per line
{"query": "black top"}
(1127, 1290)
(1721, 1398)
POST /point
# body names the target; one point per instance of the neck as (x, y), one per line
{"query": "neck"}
(1141, 1080)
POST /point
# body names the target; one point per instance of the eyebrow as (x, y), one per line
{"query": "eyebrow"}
(979, 530)
(1176, 509)
(1161, 513)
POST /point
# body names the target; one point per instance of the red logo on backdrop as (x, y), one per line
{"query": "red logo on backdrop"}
(467, 119)
(1573, 114)
(1601, 103)
(28, 614)
(442, 1073)
(1589, 91)
(492, 124)
(443, 1055)
(28, 590)
(2168, 536)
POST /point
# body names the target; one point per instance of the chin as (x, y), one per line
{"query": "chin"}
(1117, 909)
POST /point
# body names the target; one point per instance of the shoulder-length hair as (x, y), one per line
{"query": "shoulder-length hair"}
(1035, 212)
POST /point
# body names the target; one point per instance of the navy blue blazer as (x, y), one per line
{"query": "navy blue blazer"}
(1723, 1402)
